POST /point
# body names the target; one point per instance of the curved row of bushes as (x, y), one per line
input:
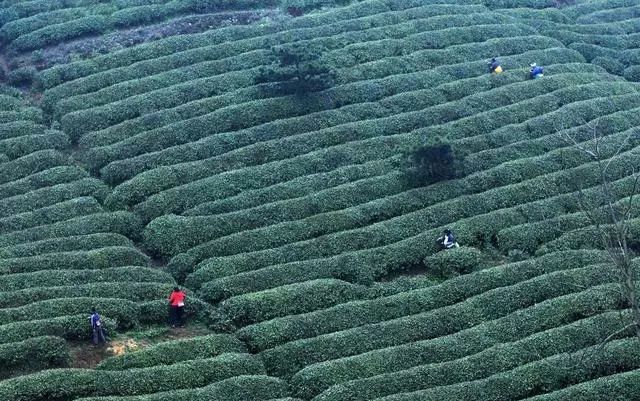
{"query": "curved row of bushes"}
(50, 214)
(381, 98)
(231, 153)
(101, 258)
(239, 388)
(613, 114)
(547, 315)
(236, 65)
(68, 384)
(501, 357)
(117, 15)
(74, 327)
(547, 233)
(245, 47)
(591, 237)
(76, 123)
(536, 378)
(287, 359)
(171, 234)
(289, 300)
(624, 386)
(30, 164)
(131, 291)
(167, 234)
(358, 92)
(23, 145)
(121, 310)
(41, 179)
(68, 72)
(556, 198)
(262, 111)
(171, 352)
(125, 223)
(65, 244)
(183, 177)
(62, 278)
(269, 334)
(33, 354)
(85, 187)
(292, 189)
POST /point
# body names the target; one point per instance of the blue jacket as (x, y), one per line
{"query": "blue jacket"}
(536, 71)
(95, 320)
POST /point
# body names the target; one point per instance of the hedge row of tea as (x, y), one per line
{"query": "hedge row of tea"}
(34, 25)
(214, 365)
(37, 24)
(607, 33)
(61, 253)
(286, 212)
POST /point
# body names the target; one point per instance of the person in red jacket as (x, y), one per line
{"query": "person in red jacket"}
(176, 307)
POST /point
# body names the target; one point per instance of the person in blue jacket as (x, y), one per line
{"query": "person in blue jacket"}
(494, 66)
(536, 71)
(448, 240)
(97, 336)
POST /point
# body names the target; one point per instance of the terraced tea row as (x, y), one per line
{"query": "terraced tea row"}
(171, 229)
(342, 20)
(282, 214)
(60, 253)
(215, 365)
(34, 25)
(469, 237)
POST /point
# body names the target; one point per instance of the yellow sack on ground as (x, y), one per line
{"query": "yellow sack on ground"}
(498, 70)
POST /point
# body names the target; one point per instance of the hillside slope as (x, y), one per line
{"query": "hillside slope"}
(138, 153)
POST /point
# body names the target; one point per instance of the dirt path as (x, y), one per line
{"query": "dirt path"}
(86, 355)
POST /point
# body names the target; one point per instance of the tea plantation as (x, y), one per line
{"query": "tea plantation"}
(140, 150)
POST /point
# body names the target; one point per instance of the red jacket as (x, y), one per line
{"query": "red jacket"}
(176, 297)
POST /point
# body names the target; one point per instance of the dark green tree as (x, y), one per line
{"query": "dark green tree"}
(433, 162)
(296, 69)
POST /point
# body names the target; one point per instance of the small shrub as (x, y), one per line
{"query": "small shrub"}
(433, 162)
(296, 69)
(456, 261)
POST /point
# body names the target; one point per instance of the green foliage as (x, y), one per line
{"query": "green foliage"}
(46, 196)
(124, 312)
(72, 327)
(73, 383)
(65, 244)
(124, 290)
(30, 164)
(170, 352)
(296, 69)
(124, 223)
(94, 259)
(287, 359)
(33, 354)
(50, 214)
(352, 314)
(61, 278)
(257, 112)
(23, 145)
(239, 388)
(432, 163)
(500, 357)
(170, 234)
(289, 300)
(340, 20)
(22, 76)
(41, 179)
(623, 386)
(455, 261)
(537, 377)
